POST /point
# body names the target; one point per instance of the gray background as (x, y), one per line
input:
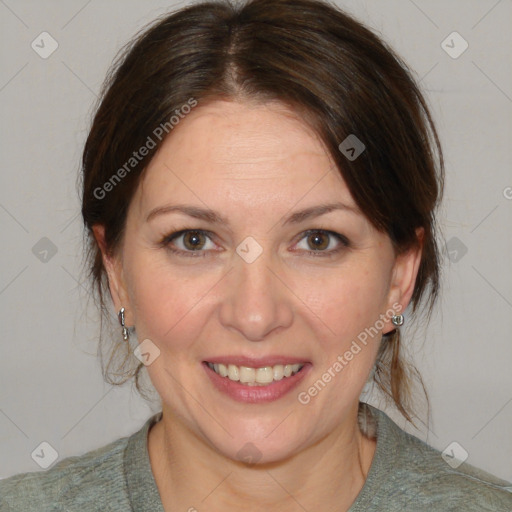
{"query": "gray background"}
(51, 387)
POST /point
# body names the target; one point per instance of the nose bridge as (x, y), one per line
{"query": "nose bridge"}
(255, 302)
(254, 280)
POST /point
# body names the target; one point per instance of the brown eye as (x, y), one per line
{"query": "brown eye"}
(194, 240)
(190, 242)
(321, 242)
(318, 241)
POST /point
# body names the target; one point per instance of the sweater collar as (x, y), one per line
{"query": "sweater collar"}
(143, 491)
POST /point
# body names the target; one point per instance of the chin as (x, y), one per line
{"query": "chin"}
(256, 443)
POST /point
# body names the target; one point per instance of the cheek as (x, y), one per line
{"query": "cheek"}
(343, 310)
(169, 306)
(347, 300)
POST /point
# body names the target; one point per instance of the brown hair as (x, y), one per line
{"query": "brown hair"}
(326, 66)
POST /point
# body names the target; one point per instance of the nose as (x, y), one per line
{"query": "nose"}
(256, 303)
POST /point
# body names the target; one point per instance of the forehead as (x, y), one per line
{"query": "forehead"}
(244, 152)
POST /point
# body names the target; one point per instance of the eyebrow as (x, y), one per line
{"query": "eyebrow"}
(192, 211)
(316, 211)
(213, 217)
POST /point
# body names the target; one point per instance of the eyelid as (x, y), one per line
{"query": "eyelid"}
(335, 234)
(176, 234)
(342, 239)
(168, 239)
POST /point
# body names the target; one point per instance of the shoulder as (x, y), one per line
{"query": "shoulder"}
(94, 481)
(433, 480)
(419, 478)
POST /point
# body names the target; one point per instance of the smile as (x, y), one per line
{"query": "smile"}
(262, 376)
(257, 384)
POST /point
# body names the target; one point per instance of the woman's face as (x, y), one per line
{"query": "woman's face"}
(243, 245)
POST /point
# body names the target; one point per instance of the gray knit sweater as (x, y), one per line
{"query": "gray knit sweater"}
(405, 475)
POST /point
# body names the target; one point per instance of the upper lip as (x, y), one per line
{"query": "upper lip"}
(256, 362)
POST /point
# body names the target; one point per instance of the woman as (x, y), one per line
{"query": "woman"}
(260, 185)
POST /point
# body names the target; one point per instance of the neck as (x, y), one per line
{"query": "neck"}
(189, 474)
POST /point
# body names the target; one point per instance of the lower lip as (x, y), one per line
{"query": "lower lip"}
(256, 394)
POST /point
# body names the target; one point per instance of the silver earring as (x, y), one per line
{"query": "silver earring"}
(397, 320)
(121, 321)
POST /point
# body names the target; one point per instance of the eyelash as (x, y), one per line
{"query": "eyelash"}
(344, 242)
(167, 240)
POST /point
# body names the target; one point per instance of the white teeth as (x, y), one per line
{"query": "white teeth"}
(247, 374)
(278, 372)
(255, 376)
(264, 375)
(233, 372)
(222, 371)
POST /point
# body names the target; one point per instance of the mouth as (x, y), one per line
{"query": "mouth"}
(255, 382)
(261, 376)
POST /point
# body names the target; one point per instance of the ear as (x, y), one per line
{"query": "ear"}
(403, 280)
(114, 268)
